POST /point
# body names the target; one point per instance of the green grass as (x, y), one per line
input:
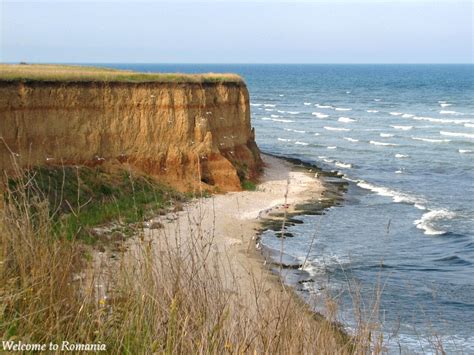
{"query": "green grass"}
(81, 198)
(71, 73)
(249, 185)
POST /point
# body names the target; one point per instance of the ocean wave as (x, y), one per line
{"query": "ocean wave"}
(396, 113)
(281, 120)
(407, 115)
(346, 119)
(323, 106)
(372, 111)
(403, 128)
(386, 135)
(444, 104)
(383, 143)
(397, 197)
(351, 139)
(306, 103)
(293, 112)
(343, 165)
(301, 143)
(265, 118)
(426, 221)
(343, 109)
(401, 156)
(283, 139)
(398, 172)
(294, 130)
(430, 140)
(377, 100)
(445, 112)
(256, 105)
(326, 160)
(280, 111)
(317, 134)
(336, 128)
(331, 147)
(469, 125)
(269, 105)
(440, 120)
(319, 115)
(464, 151)
(457, 134)
(274, 116)
(269, 110)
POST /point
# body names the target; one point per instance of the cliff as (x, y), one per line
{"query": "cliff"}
(185, 133)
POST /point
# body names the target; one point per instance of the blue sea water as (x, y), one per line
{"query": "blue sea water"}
(403, 136)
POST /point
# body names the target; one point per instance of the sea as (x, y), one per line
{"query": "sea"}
(399, 250)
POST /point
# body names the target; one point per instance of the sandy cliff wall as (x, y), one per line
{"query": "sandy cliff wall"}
(184, 133)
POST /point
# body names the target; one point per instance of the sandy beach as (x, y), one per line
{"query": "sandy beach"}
(228, 225)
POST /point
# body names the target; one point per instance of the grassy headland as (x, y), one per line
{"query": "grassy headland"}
(71, 73)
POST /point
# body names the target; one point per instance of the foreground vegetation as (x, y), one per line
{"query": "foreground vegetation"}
(172, 301)
(50, 72)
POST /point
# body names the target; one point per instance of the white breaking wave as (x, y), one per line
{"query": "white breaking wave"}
(377, 100)
(256, 105)
(293, 112)
(281, 120)
(351, 139)
(382, 143)
(396, 196)
(343, 165)
(400, 156)
(386, 135)
(323, 106)
(269, 109)
(469, 125)
(336, 128)
(372, 111)
(407, 115)
(444, 112)
(430, 140)
(269, 105)
(343, 109)
(328, 160)
(445, 104)
(457, 134)
(332, 147)
(274, 116)
(266, 118)
(346, 119)
(319, 115)
(284, 140)
(464, 151)
(398, 172)
(403, 128)
(281, 95)
(280, 111)
(294, 130)
(426, 221)
(439, 120)
(306, 103)
(301, 143)
(396, 113)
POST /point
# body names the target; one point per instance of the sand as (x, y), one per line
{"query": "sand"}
(230, 223)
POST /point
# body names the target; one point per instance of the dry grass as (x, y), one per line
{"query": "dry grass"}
(50, 72)
(165, 301)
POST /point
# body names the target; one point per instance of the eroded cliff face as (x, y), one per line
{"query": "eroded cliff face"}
(187, 134)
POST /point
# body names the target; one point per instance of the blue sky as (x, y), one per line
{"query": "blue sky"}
(221, 31)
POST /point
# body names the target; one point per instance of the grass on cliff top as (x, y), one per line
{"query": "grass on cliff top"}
(50, 72)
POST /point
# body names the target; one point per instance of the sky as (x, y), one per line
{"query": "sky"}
(223, 31)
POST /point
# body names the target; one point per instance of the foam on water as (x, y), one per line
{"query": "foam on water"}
(407, 115)
(336, 129)
(281, 120)
(401, 156)
(351, 139)
(324, 106)
(283, 139)
(403, 128)
(457, 134)
(383, 143)
(440, 120)
(372, 111)
(294, 130)
(301, 143)
(445, 104)
(331, 147)
(431, 140)
(266, 118)
(256, 105)
(426, 222)
(319, 115)
(445, 112)
(306, 103)
(269, 105)
(396, 113)
(386, 135)
(343, 165)
(464, 151)
(343, 109)
(346, 119)
(274, 116)
(269, 110)
(397, 197)
(293, 112)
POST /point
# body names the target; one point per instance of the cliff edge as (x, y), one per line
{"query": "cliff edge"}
(188, 133)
